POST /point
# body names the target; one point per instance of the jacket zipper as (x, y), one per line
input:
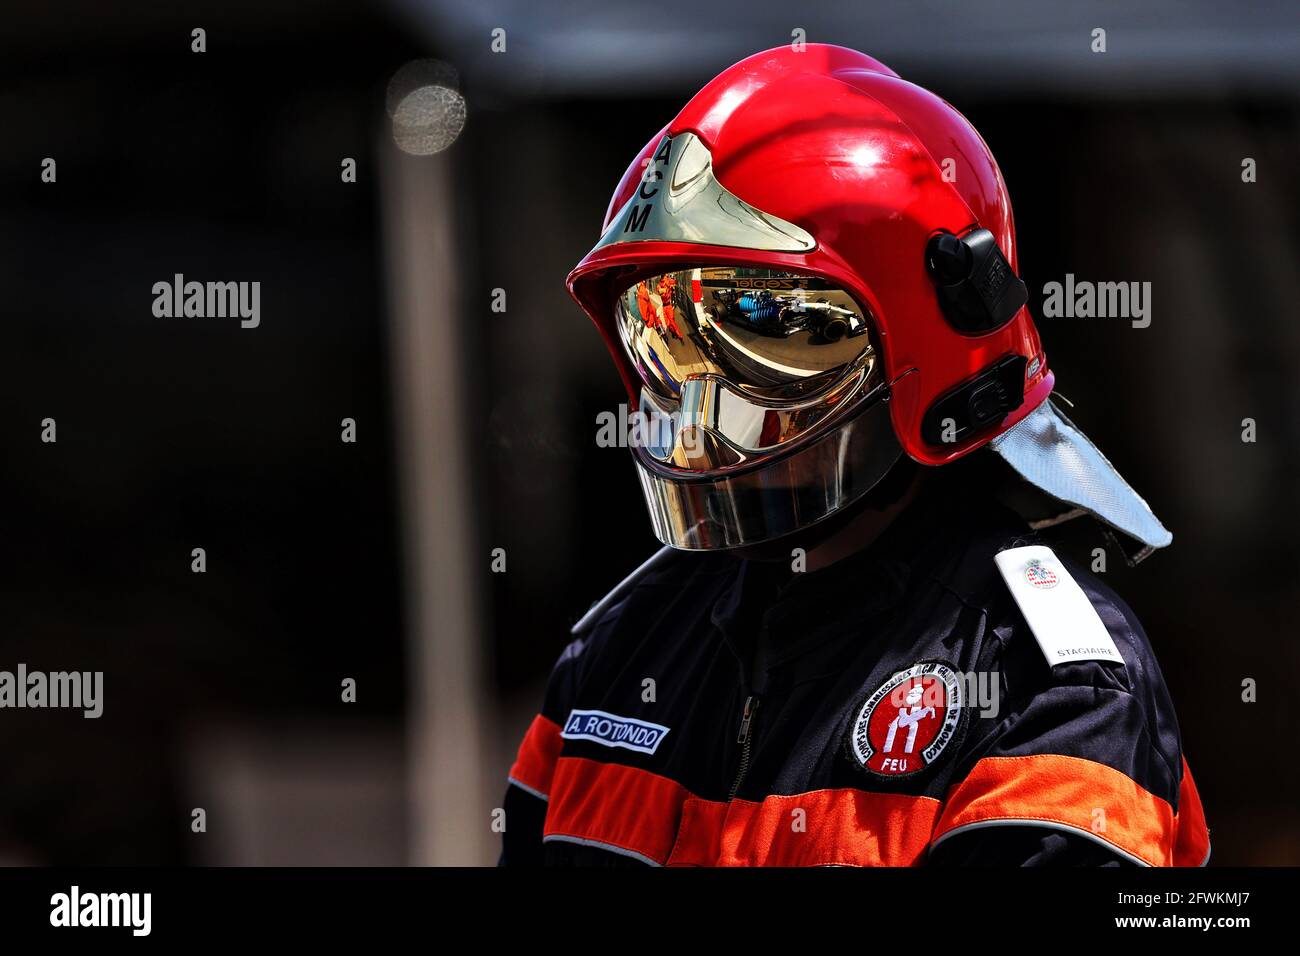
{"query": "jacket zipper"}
(743, 738)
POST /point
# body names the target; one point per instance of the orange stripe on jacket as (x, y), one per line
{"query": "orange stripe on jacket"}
(1067, 791)
(1192, 846)
(621, 807)
(656, 818)
(540, 748)
(835, 828)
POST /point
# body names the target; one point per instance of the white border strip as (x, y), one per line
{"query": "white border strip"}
(581, 841)
(1047, 824)
(527, 789)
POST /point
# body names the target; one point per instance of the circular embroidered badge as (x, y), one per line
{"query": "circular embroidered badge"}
(905, 725)
(1040, 575)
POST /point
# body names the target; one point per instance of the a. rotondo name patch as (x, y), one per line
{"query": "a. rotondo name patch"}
(614, 731)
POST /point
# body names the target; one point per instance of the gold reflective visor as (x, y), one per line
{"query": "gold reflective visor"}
(738, 362)
(770, 333)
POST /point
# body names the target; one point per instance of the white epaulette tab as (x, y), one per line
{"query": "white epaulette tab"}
(1065, 624)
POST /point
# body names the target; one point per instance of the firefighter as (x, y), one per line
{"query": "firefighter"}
(861, 644)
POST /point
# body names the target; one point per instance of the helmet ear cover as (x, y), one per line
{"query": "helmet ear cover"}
(978, 291)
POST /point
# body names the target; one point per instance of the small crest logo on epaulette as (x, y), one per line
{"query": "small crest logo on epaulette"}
(1040, 575)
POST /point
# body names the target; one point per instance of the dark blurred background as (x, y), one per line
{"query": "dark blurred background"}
(372, 560)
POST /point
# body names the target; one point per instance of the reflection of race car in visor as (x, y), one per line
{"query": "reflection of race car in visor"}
(782, 316)
(781, 334)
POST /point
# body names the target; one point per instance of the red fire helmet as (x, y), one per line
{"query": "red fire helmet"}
(810, 236)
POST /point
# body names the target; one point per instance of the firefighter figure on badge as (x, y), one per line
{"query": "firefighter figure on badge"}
(863, 610)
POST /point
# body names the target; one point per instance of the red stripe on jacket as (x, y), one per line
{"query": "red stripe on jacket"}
(642, 813)
(1083, 796)
(650, 816)
(535, 764)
